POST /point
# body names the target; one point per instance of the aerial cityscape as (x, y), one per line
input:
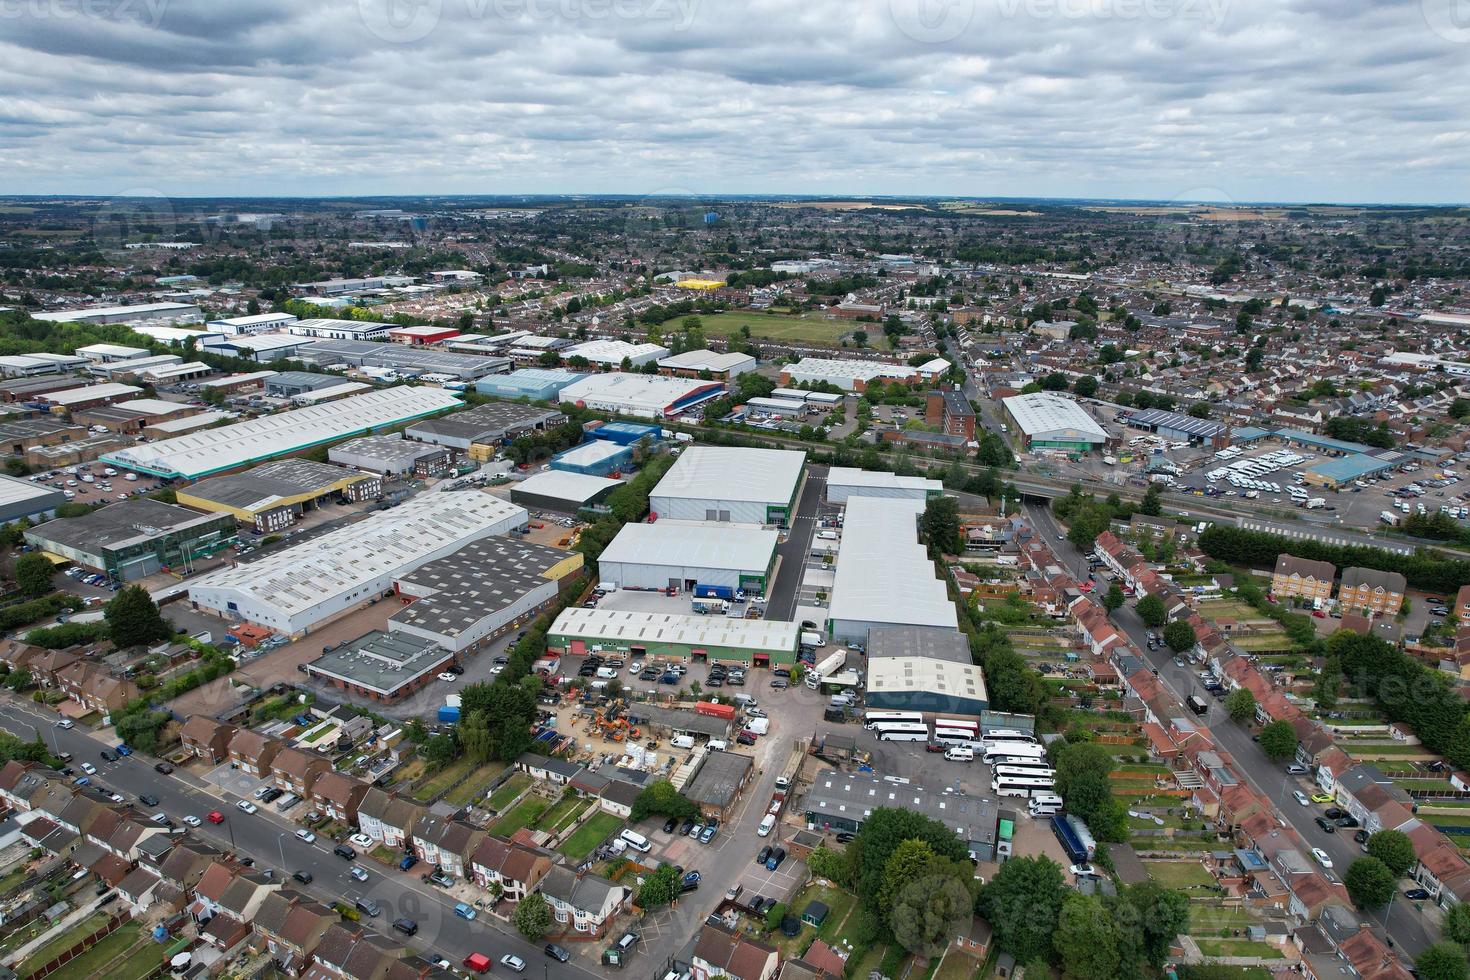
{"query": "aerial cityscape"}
(909, 490)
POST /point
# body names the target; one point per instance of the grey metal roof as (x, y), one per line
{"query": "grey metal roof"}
(910, 641)
(139, 519)
(476, 581)
(718, 778)
(271, 481)
(382, 662)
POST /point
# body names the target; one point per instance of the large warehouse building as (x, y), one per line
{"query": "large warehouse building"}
(533, 384)
(666, 636)
(484, 589)
(1048, 421)
(293, 590)
(928, 670)
(683, 554)
(884, 576)
(24, 499)
(273, 495)
(392, 455)
(855, 375)
(561, 490)
(202, 454)
(846, 482)
(135, 538)
(648, 396)
(484, 425)
(730, 486)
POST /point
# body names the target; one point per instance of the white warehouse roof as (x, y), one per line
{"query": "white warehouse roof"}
(1042, 415)
(638, 628)
(613, 352)
(691, 544)
(645, 395)
(201, 453)
(914, 675)
(708, 360)
(851, 476)
(565, 485)
(884, 574)
(729, 473)
(389, 542)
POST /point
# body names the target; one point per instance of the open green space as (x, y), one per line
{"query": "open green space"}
(1208, 920)
(443, 780)
(15, 876)
(1239, 947)
(565, 814)
(143, 961)
(65, 940)
(509, 790)
(1179, 844)
(1264, 641)
(1384, 749)
(958, 966)
(1178, 874)
(589, 835)
(523, 815)
(472, 790)
(773, 326)
(89, 963)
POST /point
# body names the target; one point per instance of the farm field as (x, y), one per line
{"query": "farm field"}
(812, 328)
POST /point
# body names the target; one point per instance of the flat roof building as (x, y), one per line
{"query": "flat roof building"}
(24, 499)
(693, 363)
(288, 384)
(612, 353)
(730, 485)
(1176, 425)
(667, 636)
(851, 375)
(481, 591)
(112, 353)
(391, 455)
(73, 399)
(273, 495)
(597, 457)
(297, 588)
(682, 554)
(401, 359)
(123, 314)
(846, 482)
(842, 801)
(262, 347)
(326, 328)
(1048, 421)
(715, 786)
(382, 666)
(488, 425)
(168, 428)
(533, 384)
(135, 538)
(255, 323)
(928, 670)
(561, 490)
(217, 450)
(884, 576)
(647, 396)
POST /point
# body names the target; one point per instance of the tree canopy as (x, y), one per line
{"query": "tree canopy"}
(133, 618)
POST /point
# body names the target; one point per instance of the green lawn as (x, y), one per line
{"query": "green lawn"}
(441, 782)
(1207, 920)
(589, 835)
(564, 814)
(1183, 846)
(508, 791)
(1178, 874)
(1238, 947)
(1242, 972)
(958, 966)
(15, 877)
(142, 962)
(812, 326)
(525, 813)
(91, 962)
(1384, 748)
(472, 790)
(66, 940)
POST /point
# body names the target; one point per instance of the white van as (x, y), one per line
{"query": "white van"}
(717, 745)
(682, 741)
(768, 823)
(636, 841)
(1044, 804)
(959, 753)
(827, 535)
(607, 673)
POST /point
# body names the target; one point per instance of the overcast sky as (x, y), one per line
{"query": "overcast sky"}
(1292, 100)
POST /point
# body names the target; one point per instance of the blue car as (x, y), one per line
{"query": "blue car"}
(122, 749)
(408, 861)
(82, 781)
(708, 833)
(669, 679)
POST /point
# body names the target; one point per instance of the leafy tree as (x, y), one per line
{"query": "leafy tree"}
(1151, 610)
(33, 572)
(440, 750)
(1369, 882)
(993, 451)
(1087, 939)
(660, 797)
(774, 915)
(830, 864)
(18, 680)
(928, 911)
(1241, 704)
(1179, 635)
(881, 834)
(1160, 913)
(532, 917)
(941, 523)
(1278, 740)
(1200, 410)
(1152, 505)
(1023, 903)
(1394, 849)
(1082, 781)
(133, 619)
(1113, 598)
(1442, 961)
(659, 888)
(140, 729)
(474, 735)
(1085, 386)
(1456, 923)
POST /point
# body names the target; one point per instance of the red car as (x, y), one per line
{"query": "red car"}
(1319, 614)
(215, 817)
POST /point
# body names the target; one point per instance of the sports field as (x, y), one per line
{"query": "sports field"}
(812, 328)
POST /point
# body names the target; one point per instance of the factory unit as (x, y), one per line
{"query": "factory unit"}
(174, 336)
(927, 670)
(255, 323)
(597, 457)
(325, 328)
(235, 383)
(846, 482)
(133, 368)
(481, 591)
(18, 435)
(696, 363)
(841, 801)
(730, 486)
(172, 312)
(134, 414)
(31, 365)
(821, 401)
(884, 576)
(262, 347)
(1048, 421)
(183, 426)
(667, 636)
(75, 399)
(168, 374)
(293, 590)
(398, 359)
(485, 425)
(854, 375)
(213, 451)
(274, 495)
(682, 554)
(30, 389)
(22, 499)
(1179, 427)
(562, 491)
(112, 353)
(135, 538)
(781, 407)
(614, 353)
(421, 336)
(392, 455)
(647, 396)
(624, 433)
(76, 451)
(532, 384)
(381, 666)
(289, 384)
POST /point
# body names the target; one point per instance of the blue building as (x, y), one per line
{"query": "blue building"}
(536, 384)
(626, 433)
(596, 458)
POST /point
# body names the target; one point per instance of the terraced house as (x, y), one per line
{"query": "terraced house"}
(1302, 578)
(1368, 590)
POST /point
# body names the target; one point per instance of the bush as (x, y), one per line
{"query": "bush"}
(66, 635)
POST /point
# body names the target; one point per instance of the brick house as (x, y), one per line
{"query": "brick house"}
(207, 739)
(338, 796)
(515, 867)
(95, 689)
(253, 752)
(448, 843)
(1302, 578)
(720, 952)
(296, 771)
(386, 818)
(1367, 590)
(587, 903)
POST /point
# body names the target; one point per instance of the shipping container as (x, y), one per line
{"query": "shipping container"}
(715, 710)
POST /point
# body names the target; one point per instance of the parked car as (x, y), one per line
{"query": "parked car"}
(557, 953)
(513, 963)
(1417, 895)
(214, 816)
(164, 768)
(148, 799)
(247, 806)
(670, 824)
(305, 877)
(345, 852)
(1327, 825)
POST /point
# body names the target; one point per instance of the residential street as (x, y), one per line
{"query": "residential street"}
(1408, 928)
